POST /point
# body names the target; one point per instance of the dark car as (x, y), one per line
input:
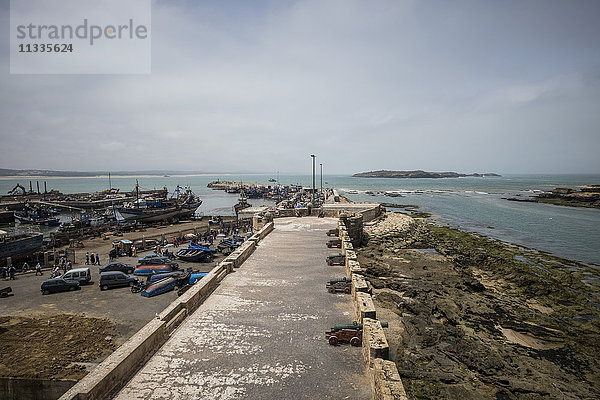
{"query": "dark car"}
(55, 285)
(117, 266)
(113, 279)
(155, 259)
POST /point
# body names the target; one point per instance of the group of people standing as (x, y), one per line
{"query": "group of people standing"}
(11, 270)
(91, 258)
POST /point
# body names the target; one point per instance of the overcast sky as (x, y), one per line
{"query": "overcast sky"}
(466, 86)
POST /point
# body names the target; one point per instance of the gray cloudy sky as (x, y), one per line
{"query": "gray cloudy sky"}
(499, 86)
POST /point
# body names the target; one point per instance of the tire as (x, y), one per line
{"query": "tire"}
(71, 288)
(103, 287)
(45, 292)
(347, 290)
(333, 340)
(355, 341)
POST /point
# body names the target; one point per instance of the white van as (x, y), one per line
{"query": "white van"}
(81, 275)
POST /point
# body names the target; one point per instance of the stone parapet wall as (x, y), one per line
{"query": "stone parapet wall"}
(364, 307)
(386, 383)
(375, 344)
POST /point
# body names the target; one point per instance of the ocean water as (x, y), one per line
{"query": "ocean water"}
(472, 204)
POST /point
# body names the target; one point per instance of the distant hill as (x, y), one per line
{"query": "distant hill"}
(44, 172)
(416, 174)
(50, 173)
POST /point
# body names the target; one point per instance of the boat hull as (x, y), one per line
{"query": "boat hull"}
(145, 270)
(150, 215)
(21, 246)
(160, 287)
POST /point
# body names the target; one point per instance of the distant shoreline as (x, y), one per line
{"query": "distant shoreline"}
(32, 177)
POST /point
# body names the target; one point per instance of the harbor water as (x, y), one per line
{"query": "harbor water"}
(470, 203)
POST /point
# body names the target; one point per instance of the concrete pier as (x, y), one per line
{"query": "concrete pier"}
(260, 334)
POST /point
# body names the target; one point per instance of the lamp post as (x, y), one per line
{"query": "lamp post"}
(313, 187)
(321, 164)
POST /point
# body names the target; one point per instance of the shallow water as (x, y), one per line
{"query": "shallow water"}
(473, 204)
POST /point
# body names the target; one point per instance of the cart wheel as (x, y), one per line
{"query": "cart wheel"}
(356, 342)
(347, 290)
(333, 340)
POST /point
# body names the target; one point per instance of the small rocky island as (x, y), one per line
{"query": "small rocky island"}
(587, 196)
(416, 174)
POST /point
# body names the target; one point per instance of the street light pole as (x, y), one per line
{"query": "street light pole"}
(321, 179)
(313, 188)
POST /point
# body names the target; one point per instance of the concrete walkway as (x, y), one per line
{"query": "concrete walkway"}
(261, 334)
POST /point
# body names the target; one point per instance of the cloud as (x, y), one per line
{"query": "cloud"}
(262, 85)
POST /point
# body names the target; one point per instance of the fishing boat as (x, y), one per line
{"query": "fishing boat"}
(195, 253)
(24, 219)
(19, 245)
(182, 204)
(160, 287)
(196, 276)
(173, 274)
(145, 270)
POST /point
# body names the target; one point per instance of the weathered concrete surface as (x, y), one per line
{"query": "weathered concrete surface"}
(260, 335)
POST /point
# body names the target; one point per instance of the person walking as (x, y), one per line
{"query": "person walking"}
(11, 272)
(38, 269)
(87, 258)
(97, 259)
(92, 260)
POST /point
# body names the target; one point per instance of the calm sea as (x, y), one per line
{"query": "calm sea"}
(473, 204)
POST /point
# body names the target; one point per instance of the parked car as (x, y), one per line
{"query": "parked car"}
(113, 279)
(155, 259)
(117, 266)
(81, 275)
(55, 285)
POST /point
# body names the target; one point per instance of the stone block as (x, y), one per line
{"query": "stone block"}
(359, 285)
(364, 307)
(386, 382)
(374, 343)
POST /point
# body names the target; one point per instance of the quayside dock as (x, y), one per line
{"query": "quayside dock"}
(261, 333)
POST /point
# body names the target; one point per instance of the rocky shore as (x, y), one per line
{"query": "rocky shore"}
(476, 318)
(587, 196)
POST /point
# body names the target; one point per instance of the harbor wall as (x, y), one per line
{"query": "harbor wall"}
(112, 373)
(34, 389)
(386, 383)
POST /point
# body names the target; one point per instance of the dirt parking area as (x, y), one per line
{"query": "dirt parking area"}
(63, 335)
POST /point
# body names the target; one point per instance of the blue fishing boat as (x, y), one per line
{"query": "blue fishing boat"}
(195, 277)
(145, 270)
(157, 277)
(160, 287)
(195, 252)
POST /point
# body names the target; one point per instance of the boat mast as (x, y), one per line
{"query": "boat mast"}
(137, 193)
(109, 184)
